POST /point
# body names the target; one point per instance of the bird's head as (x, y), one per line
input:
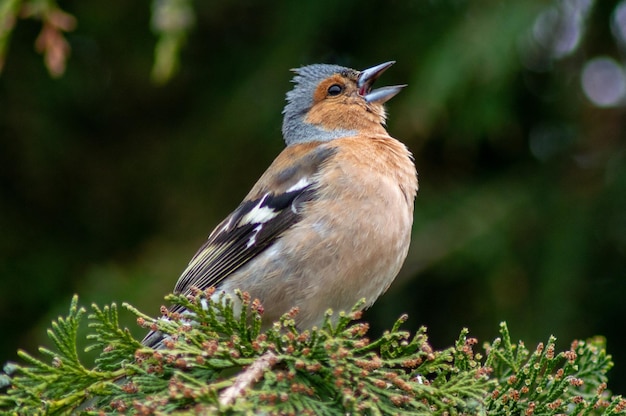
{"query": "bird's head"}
(331, 101)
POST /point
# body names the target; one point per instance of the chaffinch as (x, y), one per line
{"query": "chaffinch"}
(330, 220)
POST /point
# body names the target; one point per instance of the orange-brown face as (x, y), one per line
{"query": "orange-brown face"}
(337, 104)
(330, 101)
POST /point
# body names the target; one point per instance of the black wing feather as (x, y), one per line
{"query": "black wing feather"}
(231, 248)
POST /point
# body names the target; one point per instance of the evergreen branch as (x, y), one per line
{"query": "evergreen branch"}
(247, 378)
(217, 359)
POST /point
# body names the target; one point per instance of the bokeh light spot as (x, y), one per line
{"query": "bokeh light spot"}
(618, 23)
(604, 82)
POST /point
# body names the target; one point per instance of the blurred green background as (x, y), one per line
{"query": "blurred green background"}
(114, 169)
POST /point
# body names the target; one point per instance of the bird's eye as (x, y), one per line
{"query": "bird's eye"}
(335, 89)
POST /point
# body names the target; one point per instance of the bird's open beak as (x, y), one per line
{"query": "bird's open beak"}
(367, 77)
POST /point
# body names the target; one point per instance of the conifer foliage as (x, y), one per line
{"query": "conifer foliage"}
(216, 360)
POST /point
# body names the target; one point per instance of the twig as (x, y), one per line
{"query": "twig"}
(247, 378)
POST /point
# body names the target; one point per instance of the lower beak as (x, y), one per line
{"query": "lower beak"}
(366, 79)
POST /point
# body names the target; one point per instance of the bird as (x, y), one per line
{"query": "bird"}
(329, 222)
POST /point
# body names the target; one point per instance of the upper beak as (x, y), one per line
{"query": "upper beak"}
(366, 79)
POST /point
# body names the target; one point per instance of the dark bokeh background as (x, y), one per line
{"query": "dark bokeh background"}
(514, 111)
